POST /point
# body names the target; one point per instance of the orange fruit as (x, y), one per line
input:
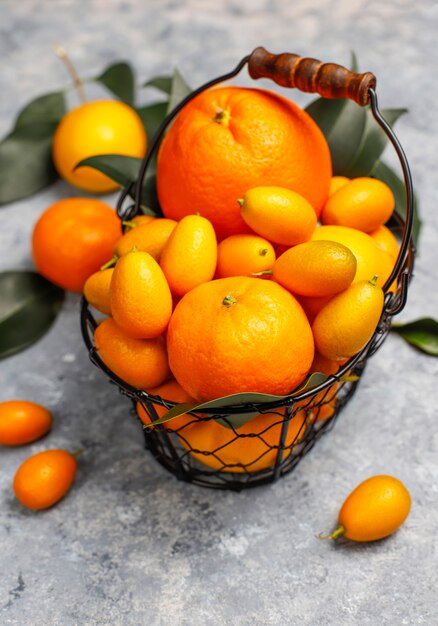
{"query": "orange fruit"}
(316, 268)
(93, 128)
(141, 302)
(346, 324)
(363, 203)
(324, 365)
(280, 215)
(22, 422)
(225, 141)
(139, 220)
(97, 290)
(72, 239)
(142, 363)
(321, 406)
(169, 390)
(244, 255)
(371, 260)
(239, 334)
(150, 237)
(252, 447)
(313, 305)
(386, 241)
(374, 509)
(44, 478)
(190, 254)
(336, 183)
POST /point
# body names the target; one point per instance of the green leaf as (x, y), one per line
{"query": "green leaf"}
(162, 83)
(45, 109)
(119, 79)
(124, 170)
(28, 306)
(342, 123)
(179, 90)
(384, 173)
(236, 399)
(26, 161)
(372, 144)
(421, 333)
(152, 116)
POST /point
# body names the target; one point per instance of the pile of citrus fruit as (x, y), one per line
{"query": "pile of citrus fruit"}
(264, 269)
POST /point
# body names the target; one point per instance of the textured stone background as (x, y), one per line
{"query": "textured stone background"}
(131, 545)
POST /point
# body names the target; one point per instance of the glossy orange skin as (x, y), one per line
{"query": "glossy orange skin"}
(140, 362)
(190, 255)
(97, 290)
(22, 422)
(44, 478)
(316, 268)
(169, 390)
(244, 255)
(363, 203)
(141, 301)
(375, 509)
(336, 183)
(72, 239)
(149, 237)
(239, 334)
(230, 139)
(93, 128)
(386, 240)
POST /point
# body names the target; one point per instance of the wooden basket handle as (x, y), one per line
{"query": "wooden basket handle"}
(329, 80)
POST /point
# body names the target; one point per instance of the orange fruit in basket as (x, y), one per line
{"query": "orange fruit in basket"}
(230, 139)
(324, 365)
(252, 447)
(22, 422)
(346, 324)
(169, 390)
(313, 305)
(97, 290)
(139, 220)
(239, 334)
(142, 363)
(371, 260)
(316, 268)
(363, 203)
(244, 255)
(149, 237)
(44, 478)
(93, 128)
(386, 241)
(190, 254)
(336, 183)
(280, 215)
(374, 509)
(140, 298)
(72, 239)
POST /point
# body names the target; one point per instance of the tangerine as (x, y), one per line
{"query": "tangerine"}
(244, 255)
(169, 390)
(22, 422)
(386, 241)
(97, 290)
(72, 239)
(149, 237)
(225, 141)
(94, 128)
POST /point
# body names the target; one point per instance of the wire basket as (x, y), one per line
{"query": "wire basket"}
(210, 447)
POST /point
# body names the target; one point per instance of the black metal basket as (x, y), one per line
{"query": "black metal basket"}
(207, 447)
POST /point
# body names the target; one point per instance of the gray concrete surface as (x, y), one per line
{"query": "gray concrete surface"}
(131, 545)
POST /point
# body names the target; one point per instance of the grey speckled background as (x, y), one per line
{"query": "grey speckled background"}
(131, 545)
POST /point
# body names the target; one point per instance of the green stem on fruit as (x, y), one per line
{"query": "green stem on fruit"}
(373, 281)
(129, 225)
(61, 52)
(334, 535)
(263, 273)
(229, 300)
(240, 201)
(263, 251)
(110, 263)
(77, 453)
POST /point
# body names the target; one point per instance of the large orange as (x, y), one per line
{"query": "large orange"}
(230, 139)
(72, 239)
(239, 334)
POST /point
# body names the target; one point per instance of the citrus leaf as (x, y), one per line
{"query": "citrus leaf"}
(384, 173)
(236, 399)
(152, 116)
(421, 333)
(124, 170)
(372, 144)
(26, 161)
(178, 91)
(119, 79)
(162, 83)
(45, 109)
(28, 306)
(342, 123)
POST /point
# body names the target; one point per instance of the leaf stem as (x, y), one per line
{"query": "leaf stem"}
(110, 263)
(61, 52)
(336, 533)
